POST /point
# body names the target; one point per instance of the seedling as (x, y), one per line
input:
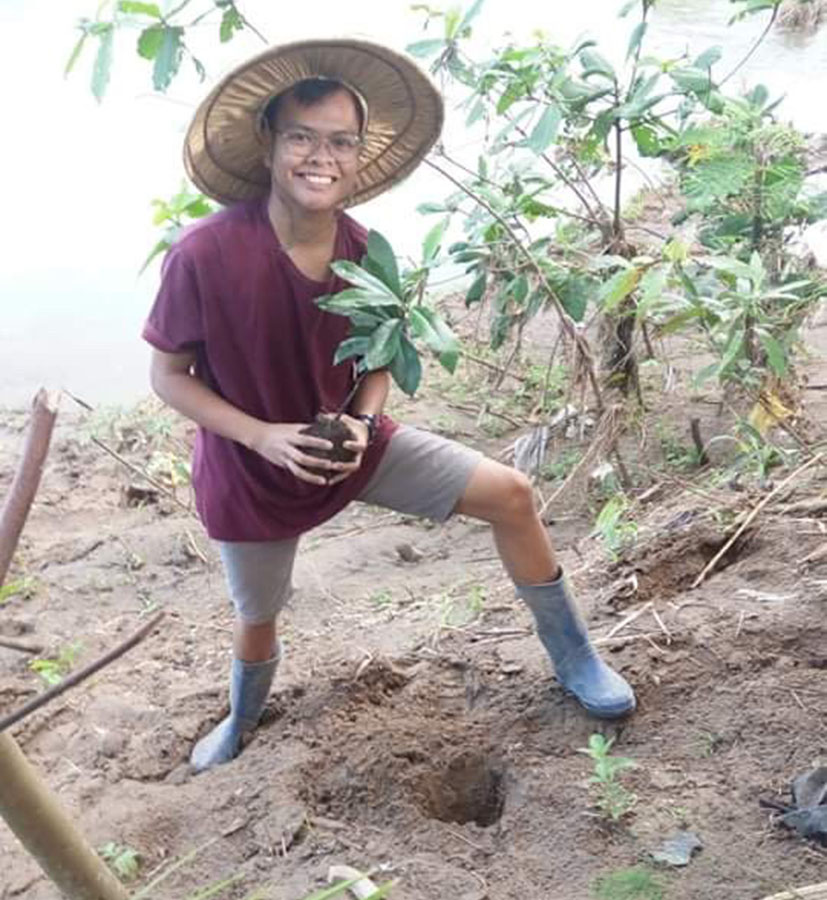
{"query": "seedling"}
(124, 861)
(635, 883)
(617, 532)
(53, 670)
(388, 318)
(613, 799)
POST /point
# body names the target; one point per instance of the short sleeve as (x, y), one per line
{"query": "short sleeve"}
(176, 320)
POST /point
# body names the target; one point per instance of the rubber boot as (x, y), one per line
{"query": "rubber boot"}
(249, 686)
(598, 688)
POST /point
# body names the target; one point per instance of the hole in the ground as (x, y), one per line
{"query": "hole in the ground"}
(471, 788)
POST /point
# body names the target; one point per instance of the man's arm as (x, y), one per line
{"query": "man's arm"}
(172, 380)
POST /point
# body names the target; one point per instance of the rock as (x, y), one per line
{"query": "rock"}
(678, 850)
(408, 553)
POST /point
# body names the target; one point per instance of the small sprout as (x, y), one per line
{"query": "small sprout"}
(635, 883)
(613, 800)
(381, 599)
(53, 670)
(122, 859)
(24, 588)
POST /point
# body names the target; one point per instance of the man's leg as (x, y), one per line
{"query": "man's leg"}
(504, 497)
(427, 475)
(258, 576)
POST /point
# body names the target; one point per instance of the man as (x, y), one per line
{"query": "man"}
(287, 141)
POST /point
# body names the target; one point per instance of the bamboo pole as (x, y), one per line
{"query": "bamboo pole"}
(47, 832)
(26, 803)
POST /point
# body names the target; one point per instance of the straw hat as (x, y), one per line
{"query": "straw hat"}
(224, 146)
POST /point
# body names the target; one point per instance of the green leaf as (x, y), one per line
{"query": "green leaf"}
(367, 283)
(518, 289)
(545, 131)
(776, 356)
(406, 367)
(477, 112)
(433, 330)
(593, 62)
(428, 208)
(452, 20)
(161, 247)
(139, 9)
(231, 22)
(708, 58)
(353, 346)
(469, 16)
(477, 290)
(647, 140)
(693, 80)
(383, 345)
(168, 58)
(381, 252)
(150, 40)
(618, 288)
(103, 62)
(637, 37)
(73, 57)
(433, 241)
(422, 49)
(356, 299)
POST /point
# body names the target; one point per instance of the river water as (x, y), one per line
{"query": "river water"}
(79, 178)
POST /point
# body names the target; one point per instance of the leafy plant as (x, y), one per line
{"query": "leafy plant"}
(613, 799)
(389, 313)
(635, 883)
(341, 887)
(53, 669)
(161, 37)
(174, 214)
(616, 531)
(124, 861)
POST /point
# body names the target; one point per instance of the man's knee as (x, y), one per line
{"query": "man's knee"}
(515, 496)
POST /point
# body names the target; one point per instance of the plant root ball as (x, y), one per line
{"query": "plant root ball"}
(335, 431)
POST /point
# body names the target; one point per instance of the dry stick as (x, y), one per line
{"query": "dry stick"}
(790, 478)
(21, 646)
(492, 366)
(131, 466)
(81, 675)
(26, 804)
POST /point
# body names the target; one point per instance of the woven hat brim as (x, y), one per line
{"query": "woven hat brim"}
(224, 149)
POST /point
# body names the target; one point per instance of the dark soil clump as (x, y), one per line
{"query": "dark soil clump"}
(335, 431)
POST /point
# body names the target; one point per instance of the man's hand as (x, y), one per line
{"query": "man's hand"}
(358, 446)
(283, 446)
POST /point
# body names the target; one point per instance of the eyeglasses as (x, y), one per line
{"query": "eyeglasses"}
(303, 141)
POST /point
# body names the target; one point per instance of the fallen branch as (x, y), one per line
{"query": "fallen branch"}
(81, 675)
(748, 520)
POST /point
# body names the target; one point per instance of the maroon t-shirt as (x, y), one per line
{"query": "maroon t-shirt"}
(230, 293)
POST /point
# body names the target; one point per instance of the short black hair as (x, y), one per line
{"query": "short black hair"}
(308, 92)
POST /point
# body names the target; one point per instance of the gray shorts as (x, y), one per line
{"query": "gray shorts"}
(420, 474)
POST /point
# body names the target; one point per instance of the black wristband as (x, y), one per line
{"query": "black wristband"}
(370, 420)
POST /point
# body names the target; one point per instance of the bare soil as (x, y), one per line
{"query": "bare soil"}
(415, 721)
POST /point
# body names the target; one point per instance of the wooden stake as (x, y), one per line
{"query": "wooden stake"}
(47, 832)
(26, 478)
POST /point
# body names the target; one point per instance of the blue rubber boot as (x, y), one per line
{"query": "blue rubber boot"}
(598, 688)
(249, 686)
